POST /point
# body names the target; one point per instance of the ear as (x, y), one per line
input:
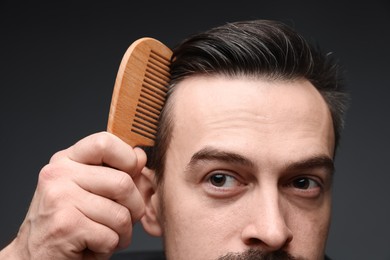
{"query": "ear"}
(148, 188)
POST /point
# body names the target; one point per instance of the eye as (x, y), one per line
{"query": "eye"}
(305, 183)
(223, 184)
(223, 180)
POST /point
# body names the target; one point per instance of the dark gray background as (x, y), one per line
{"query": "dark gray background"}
(59, 62)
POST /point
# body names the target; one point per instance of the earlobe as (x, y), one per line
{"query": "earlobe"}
(148, 188)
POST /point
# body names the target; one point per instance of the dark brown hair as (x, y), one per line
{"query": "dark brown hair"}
(258, 48)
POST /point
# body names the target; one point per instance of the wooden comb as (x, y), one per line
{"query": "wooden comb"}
(139, 92)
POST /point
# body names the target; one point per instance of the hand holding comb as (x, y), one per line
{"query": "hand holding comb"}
(139, 92)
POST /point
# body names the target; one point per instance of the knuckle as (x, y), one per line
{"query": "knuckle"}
(125, 185)
(123, 219)
(54, 197)
(125, 241)
(57, 156)
(111, 243)
(49, 172)
(101, 141)
(139, 212)
(64, 223)
(51, 186)
(104, 241)
(132, 160)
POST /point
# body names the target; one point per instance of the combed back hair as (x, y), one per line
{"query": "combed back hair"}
(254, 49)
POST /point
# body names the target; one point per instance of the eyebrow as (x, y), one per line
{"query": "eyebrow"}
(214, 154)
(319, 161)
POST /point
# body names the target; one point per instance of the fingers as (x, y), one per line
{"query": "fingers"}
(141, 156)
(103, 195)
(105, 149)
(74, 231)
(86, 200)
(112, 184)
(109, 214)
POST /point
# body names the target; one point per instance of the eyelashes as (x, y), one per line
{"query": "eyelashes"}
(221, 183)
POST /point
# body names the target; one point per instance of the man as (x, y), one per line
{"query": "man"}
(242, 167)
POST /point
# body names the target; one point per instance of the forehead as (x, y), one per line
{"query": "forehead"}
(219, 89)
(236, 112)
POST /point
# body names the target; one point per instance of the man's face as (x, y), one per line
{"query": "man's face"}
(249, 166)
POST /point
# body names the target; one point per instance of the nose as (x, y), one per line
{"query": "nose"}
(266, 226)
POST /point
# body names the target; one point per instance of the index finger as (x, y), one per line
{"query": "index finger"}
(107, 149)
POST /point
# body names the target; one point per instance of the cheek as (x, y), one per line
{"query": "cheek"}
(192, 226)
(310, 230)
(184, 214)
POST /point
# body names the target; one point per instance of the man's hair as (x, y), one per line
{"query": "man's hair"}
(255, 49)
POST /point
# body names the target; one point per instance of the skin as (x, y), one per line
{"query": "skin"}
(76, 216)
(245, 169)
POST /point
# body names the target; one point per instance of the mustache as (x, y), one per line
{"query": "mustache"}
(255, 254)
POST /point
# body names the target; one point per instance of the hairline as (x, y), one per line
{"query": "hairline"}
(168, 112)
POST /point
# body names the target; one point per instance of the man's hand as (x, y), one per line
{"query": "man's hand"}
(85, 203)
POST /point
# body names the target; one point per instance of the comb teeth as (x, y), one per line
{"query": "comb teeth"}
(152, 96)
(140, 91)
